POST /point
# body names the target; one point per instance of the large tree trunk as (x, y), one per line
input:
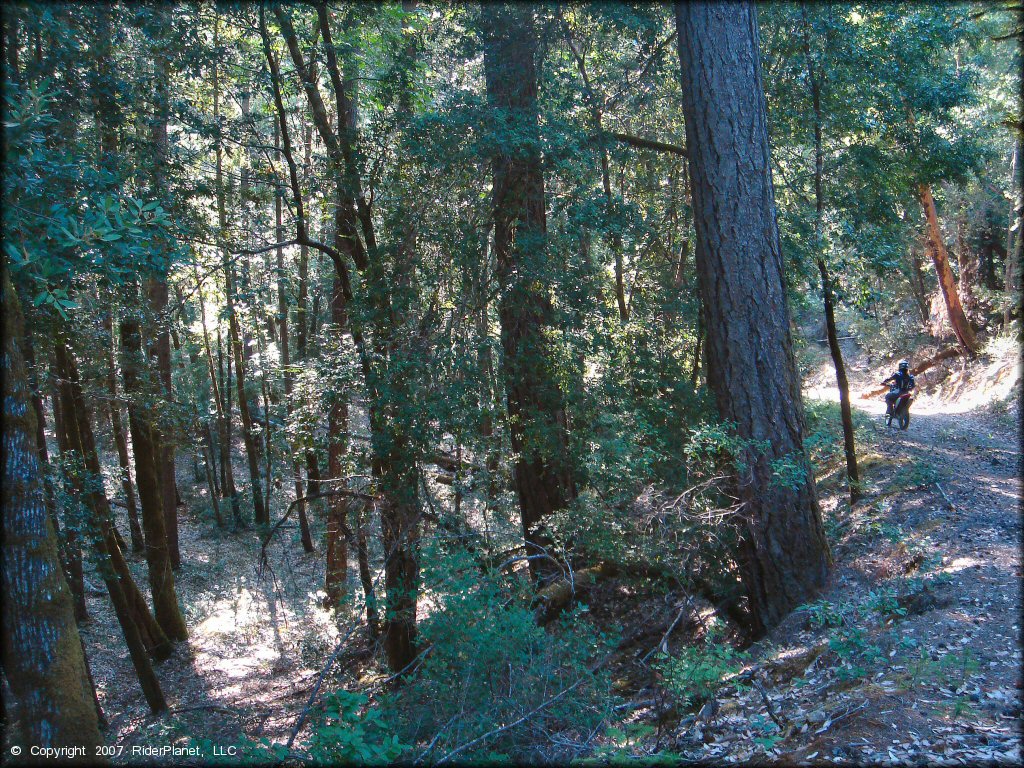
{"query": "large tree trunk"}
(543, 468)
(147, 475)
(41, 447)
(783, 556)
(940, 258)
(164, 445)
(43, 660)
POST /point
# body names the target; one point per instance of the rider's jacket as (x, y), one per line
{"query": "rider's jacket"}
(904, 380)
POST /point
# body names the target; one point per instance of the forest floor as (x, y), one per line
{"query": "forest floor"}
(912, 655)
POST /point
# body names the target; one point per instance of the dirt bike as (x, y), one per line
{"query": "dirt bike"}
(900, 409)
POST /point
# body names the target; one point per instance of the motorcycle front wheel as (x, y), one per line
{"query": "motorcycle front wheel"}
(904, 417)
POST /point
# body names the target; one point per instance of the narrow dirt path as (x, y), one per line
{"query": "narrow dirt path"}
(943, 511)
(912, 654)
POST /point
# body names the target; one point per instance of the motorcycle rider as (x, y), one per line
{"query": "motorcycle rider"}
(904, 382)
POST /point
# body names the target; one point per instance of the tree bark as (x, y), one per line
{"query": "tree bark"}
(282, 140)
(43, 660)
(157, 287)
(121, 441)
(947, 284)
(147, 475)
(337, 447)
(827, 296)
(41, 447)
(141, 631)
(543, 468)
(221, 393)
(783, 555)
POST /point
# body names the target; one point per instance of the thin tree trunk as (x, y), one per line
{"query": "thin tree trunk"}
(211, 476)
(1014, 243)
(147, 475)
(132, 618)
(614, 239)
(940, 259)
(543, 469)
(917, 284)
(282, 136)
(393, 460)
(43, 660)
(695, 370)
(260, 515)
(968, 264)
(78, 436)
(366, 576)
(846, 415)
(337, 447)
(121, 440)
(72, 546)
(783, 556)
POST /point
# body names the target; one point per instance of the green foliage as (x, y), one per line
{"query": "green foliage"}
(822, 614)
(487, 663)
(916, 473)
(823, 439)
(694, 673)
(344, 730)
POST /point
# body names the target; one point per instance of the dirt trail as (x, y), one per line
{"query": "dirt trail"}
(943, 507)
(912, 654)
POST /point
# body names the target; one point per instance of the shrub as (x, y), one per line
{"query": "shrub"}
(486, 664)
(696, 672)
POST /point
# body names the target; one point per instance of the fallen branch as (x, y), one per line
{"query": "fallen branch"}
(767, 702)
(671, 627)
(949, 501)
(210, 707)
(945, 354)
(557, 596)
(642, 143)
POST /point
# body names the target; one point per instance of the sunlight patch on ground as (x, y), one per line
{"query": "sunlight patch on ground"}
(231, 614)
(960, 564)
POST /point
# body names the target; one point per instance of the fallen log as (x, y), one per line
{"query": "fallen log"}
(945, 354)
(557, 596)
